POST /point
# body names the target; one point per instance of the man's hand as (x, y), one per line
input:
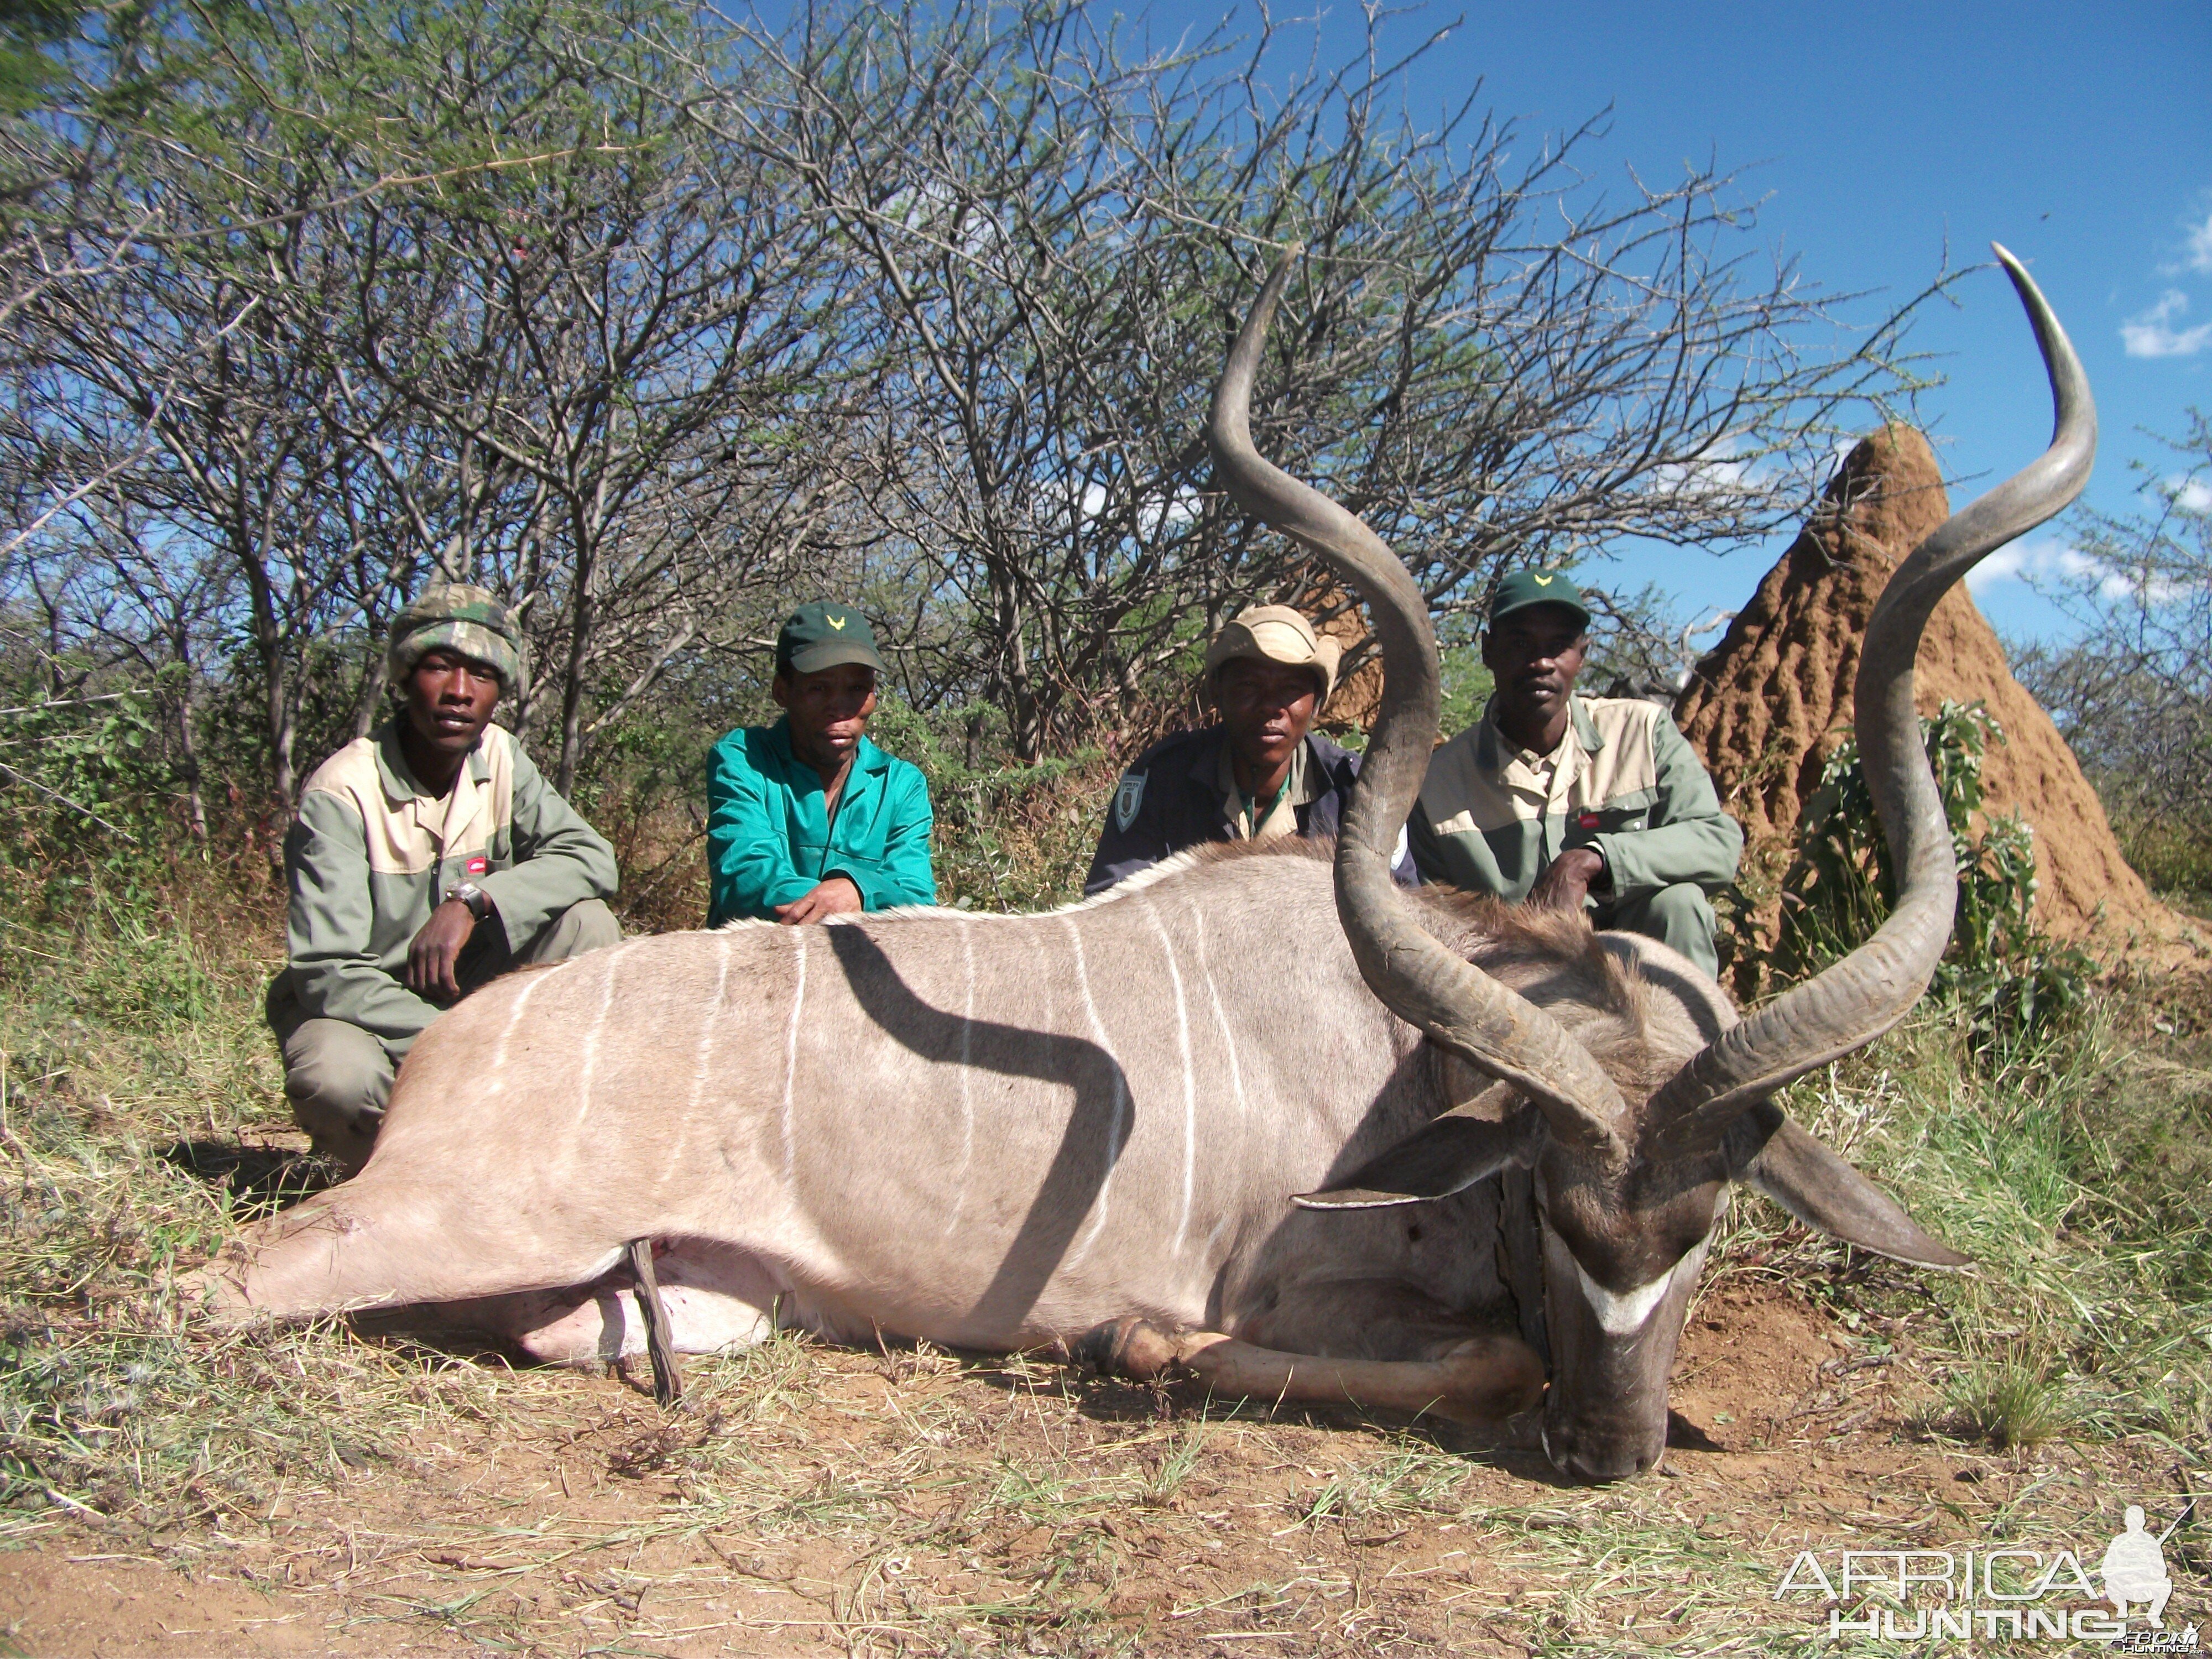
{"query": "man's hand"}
(431, 957)
(1566, 883)
(836, 896)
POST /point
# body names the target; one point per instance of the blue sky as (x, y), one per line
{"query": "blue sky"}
(2081, 136)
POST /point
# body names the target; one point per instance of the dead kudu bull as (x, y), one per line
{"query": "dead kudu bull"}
(996, 1133)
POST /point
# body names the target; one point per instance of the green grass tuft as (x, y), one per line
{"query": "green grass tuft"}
(2011, 1403)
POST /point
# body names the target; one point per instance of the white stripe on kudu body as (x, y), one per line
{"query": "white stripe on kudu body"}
(586, 1072)
(1189, 1079)
(791, 1057)
(705, 1051)
(1220, 1014)
(1121, 1105)
(967, 1087)
(497, 1079)
(679, 1139)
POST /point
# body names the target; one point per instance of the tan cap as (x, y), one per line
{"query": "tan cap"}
(1274, 633)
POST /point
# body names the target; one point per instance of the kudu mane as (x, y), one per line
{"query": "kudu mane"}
(1552, 957)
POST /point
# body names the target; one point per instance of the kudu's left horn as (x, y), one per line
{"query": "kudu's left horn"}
(1855, 1000)
(1492, 1027)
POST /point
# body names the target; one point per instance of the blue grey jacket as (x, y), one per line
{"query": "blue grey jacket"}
(1169, 801)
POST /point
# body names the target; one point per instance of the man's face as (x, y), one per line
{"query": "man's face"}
(829, 711)
(1266, 706)
(1534, 655)
(448, 701)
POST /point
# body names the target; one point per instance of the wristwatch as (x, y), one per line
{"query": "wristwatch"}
(475, 897)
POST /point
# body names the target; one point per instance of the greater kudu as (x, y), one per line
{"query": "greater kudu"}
(1003, 1132)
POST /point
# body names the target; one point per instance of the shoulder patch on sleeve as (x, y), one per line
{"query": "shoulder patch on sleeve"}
(1127, 799)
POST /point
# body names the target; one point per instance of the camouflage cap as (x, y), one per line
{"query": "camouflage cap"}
(457, 617)
(1274, 633)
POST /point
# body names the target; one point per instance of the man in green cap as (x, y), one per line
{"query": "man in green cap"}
(426, 859)
(1594, 803)
(806, 819)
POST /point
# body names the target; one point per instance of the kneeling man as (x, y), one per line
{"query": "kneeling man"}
(1574, 802)
(806, 819)
(1257, 774)
(427, 858)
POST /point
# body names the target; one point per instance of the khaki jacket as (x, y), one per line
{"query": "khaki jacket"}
(1626, 783)
(371, 854)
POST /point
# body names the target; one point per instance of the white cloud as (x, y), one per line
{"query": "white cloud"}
(1718, 473)
(2036, 562)
(1153, 516)
(2149, 335)
(2200, 246)
(2190, 495)
(2029, 560)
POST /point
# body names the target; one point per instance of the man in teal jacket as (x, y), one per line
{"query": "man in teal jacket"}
(806, 818)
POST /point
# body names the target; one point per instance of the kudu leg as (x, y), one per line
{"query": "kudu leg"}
(380, 1244)
(1485, 1380)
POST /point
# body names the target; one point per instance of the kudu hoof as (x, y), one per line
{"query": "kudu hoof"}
(1130, 1347)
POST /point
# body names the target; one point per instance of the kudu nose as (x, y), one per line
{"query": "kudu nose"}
(1599, 1460)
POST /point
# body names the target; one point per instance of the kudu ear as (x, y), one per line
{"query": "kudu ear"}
(1771, 1155)
(1442, 1157)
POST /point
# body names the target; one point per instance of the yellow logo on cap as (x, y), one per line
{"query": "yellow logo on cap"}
(835, 622)
(1542, 580)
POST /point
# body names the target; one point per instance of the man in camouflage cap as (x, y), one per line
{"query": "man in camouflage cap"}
(466, 620)
(1257, 774)
(427, 858)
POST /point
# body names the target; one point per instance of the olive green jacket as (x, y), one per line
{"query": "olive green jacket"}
(371, 854)
(1627, 784)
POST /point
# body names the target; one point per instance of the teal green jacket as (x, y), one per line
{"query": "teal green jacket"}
(769, 841)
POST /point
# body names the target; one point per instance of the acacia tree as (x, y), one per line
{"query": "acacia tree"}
(1493, 361)
(485, 302)
(219, 354)
(190, 351)
(629, 350)
(2133, 692)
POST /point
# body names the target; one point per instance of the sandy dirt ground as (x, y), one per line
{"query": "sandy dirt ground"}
(811, 1500)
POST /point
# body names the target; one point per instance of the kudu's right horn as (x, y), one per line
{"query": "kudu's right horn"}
(1855, 1000)
(1491, 1026)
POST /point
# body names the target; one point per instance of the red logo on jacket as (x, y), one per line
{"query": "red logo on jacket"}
(479, 866)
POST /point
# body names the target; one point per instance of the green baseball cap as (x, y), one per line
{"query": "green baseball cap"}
(821, 636)
(1526, 588)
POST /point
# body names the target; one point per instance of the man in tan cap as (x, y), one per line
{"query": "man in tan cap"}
(1259, 774)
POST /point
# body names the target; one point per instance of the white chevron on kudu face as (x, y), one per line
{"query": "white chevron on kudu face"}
(1624, 1313)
